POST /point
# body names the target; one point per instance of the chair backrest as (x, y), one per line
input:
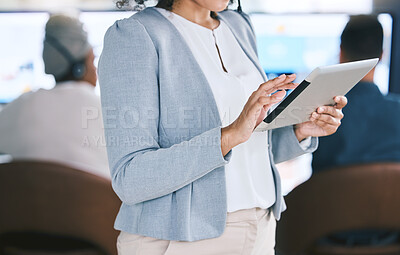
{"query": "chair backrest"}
(349, 198)
(55, 199)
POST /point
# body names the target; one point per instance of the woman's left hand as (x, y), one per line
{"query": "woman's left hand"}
(323, 122)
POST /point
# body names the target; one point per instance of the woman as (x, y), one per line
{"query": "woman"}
(182, 92)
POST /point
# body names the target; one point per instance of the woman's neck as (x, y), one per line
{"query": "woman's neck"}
(196, 13)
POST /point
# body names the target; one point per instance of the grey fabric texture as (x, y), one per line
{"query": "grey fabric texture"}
(163, 130)
(69, 33)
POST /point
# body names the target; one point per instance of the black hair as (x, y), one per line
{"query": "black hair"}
(362, 38)
(165, 4)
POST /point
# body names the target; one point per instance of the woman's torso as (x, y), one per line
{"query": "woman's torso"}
(157, 77)
(249, 179)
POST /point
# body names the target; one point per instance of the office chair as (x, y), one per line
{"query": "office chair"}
(48, 208)
(351, 198)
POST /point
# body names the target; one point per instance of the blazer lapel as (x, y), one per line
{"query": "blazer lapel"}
(187, 53)
(245, 46)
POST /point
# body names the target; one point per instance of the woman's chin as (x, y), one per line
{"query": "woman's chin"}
(221, 7)
(215, 5)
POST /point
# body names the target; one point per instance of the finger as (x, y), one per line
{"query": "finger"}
(290, 78)
(272, 85)
(283, 82)
(328, 128)
(287, 86)
(328, 119)
(287, 83)
(261, 91)
(341, 102)
(270, 100)
(283, 86)
(283, 89)
(265, 102)
(330, 110)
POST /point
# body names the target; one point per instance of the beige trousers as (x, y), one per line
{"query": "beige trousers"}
(247, 232)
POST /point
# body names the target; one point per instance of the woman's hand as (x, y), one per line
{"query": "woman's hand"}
(323, 122)
(255, 111)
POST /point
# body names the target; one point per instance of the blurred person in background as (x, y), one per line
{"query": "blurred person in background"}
(371, 130)
(63, 124)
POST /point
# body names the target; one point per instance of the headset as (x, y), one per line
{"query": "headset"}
(78, 67)
(239, 8)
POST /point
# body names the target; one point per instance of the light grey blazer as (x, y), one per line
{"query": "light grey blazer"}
(163, 130)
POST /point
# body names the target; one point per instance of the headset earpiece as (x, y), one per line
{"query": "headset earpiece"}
(78, 70)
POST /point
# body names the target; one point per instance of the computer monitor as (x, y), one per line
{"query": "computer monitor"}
(21, 46)
(298, 43)
(21, 67)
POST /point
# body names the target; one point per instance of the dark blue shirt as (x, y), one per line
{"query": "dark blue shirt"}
(370, 131)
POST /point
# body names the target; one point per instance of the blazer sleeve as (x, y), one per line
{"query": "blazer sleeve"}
(285, 145)
(140, 169)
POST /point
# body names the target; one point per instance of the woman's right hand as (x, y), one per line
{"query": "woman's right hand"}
(255, 111)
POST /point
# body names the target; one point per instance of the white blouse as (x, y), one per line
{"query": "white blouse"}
(249, 178)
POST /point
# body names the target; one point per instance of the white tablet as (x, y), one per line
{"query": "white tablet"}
(318, 89)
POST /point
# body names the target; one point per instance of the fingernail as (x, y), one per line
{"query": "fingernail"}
(314, 115)
(281, 76)
(321, 109)
(277, 97)
(292, 75)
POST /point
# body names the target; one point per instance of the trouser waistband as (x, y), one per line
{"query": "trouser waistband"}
(253, 214)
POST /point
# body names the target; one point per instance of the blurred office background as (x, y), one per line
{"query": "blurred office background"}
(294, 36)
